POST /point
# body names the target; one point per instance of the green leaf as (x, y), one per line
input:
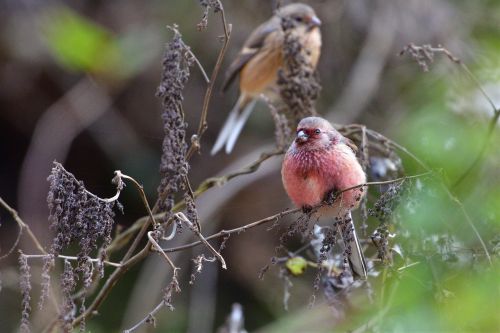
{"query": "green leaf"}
(79, 44)
(296, 265)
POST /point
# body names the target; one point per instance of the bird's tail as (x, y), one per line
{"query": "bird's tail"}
(234, 124)
(353, 248)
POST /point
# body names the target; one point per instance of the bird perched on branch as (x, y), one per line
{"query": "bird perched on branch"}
(258, 63)
(321, 162)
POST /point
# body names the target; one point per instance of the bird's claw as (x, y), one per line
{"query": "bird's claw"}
(306, 209)
(330, 197)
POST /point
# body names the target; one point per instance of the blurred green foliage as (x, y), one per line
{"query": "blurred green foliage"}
(81, 45)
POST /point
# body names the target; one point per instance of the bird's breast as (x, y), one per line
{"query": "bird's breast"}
(312, 43)
(309, 175)
(303, 178)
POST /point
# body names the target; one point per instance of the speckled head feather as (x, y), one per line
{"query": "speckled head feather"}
(315, 122)
(296, 9)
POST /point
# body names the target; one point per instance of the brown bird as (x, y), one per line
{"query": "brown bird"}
(321, 161)
(258, 63)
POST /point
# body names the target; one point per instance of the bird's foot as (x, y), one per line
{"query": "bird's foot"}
(330, 196)
(306, 209)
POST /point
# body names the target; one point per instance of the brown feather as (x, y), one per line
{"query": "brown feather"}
(250, 48)
(348, 142)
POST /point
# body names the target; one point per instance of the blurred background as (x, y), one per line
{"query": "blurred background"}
(77, 85)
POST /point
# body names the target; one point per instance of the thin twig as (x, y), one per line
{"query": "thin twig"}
(149, 317)
(222, 233)
(143, 230)
(280, 215)
(117, 181)
(202, 126)
(109, 284)
(172, 233)
(23, 226)
(454, 199)
(203, 240)
(41, 256)
(191, 195)
(127, 261)
(202, 70)
(484, 147)
(140, 188)
(207, 184)
(159, 249)
(19, 234)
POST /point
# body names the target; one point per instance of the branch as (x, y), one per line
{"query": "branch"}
(22, 226)
(202, 70)
(280, 215)
(149, 318)
(202, 126)
(203, 240)
(159, 249)
(219, 181)
(207, 184)
(41, 256)
(109, 284)
(140, 188)
(128, 260)
(454, 199)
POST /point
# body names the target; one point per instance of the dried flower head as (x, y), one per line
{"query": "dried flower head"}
(68, 308)
(380, 238)
(207, 5)
(48, 264)
(173, 167)
(383, 208)
(172, 287)
(77, 215)
(191, 212)
(297, 80)
(283, 129)
(424, 55)
(25, 285)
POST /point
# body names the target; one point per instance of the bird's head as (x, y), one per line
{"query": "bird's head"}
(302, 15)
(315, 132)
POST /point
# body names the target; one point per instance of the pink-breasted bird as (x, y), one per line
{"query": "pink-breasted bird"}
(321, 161)
(258, 63)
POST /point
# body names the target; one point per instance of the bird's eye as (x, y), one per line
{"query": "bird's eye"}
(317, 131)
(298, 18)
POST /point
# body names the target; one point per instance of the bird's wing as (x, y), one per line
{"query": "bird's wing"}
(251, 47)
(349, 143)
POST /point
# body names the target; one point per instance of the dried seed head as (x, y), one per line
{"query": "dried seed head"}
(297, 80)
(48, 264)
(68, 308)
(173, 167)
(25, 286)
(76, 215)
(207, 5)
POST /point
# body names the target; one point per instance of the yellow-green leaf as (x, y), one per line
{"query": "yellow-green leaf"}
(296, 265)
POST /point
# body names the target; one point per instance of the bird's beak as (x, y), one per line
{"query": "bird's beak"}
(301, 137)
(314, 22)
